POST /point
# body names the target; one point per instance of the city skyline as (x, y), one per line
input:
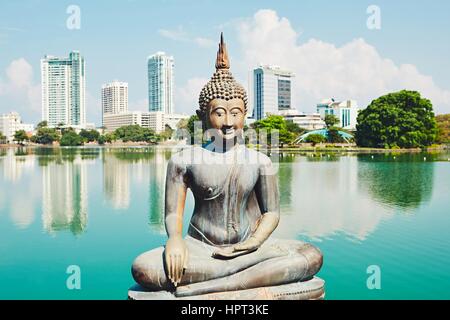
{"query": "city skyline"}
(343, 59)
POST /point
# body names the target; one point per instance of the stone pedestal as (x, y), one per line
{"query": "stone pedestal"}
(313, 289)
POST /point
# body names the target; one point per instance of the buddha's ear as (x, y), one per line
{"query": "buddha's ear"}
(201, 114)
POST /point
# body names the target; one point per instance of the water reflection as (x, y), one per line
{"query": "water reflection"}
(116, 181)
(158, 168)
(14, 165)
(65, 195)
(285, 178)
(404, 181)
(327, 200)
(320, 194)
(18, 197)
(141, 165)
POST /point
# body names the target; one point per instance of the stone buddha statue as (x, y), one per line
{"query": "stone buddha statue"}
(228, 252)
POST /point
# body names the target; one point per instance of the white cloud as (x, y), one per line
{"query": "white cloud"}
(179, 34)
(354, 70)
(204, 42)
(186, 96)
(20, 73)
(20, 87)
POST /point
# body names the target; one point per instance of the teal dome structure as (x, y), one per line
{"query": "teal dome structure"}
(324, 132)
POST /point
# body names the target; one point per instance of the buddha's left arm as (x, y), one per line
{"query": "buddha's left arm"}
(267, 194)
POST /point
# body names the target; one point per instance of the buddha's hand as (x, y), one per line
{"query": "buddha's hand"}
(176, 258)
(249, 245)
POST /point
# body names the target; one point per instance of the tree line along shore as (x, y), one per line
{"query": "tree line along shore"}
(397, 121)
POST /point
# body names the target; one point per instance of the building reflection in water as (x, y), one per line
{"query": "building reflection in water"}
(15, 162)
(116, 181)
(19, 193)
(348, 194)
(327, 201)
(65, 195)
(158, 169)
(285, 178)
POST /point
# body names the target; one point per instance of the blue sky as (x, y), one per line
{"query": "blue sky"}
(410, 50)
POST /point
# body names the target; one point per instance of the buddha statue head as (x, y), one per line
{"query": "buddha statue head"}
(223, 101)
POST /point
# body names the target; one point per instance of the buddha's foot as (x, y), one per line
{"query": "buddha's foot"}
(277, 271)
(313, 289)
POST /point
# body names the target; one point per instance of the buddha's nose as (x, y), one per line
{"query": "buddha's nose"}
(228, 121)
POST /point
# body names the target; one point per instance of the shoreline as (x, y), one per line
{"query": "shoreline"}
(329, 148)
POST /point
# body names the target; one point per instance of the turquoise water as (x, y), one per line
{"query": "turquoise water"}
(99, 208)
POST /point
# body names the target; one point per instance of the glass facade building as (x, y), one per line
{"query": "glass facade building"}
(63, 90)
(346, 111)
(160, 82)
(271, 91)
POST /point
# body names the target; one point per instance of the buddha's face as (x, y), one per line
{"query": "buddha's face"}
(226, 116)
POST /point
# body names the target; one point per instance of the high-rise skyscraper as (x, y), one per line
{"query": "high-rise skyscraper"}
(114, 98)
(63, 90)
(271, 91)
(160, 82)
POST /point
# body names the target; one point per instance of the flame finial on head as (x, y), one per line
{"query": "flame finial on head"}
(222, 84)
(222, 61)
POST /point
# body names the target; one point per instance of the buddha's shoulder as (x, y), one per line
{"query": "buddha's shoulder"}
(257, 156)
(186, 156)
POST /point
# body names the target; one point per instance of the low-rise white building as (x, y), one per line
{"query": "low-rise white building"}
(10, 123)
(155, 120)
(113, 121)
(303, 120)
(346, 111)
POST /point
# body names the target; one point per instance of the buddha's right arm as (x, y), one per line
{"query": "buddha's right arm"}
(176, 254)
(176, 190)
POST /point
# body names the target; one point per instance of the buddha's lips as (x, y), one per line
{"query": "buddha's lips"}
(228, 131)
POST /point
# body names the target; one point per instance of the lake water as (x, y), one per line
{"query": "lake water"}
(98, 208)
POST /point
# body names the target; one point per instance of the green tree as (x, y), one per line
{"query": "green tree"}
(167, 133)
(272, 123)
(150, 136)
(136, 133)
(2, 138)
(315, 138)
(60, 128)
(42, 124)
(89, 135)
(402, 119)
(333, 135)
(195, 136)
(20, 136)
(294, 128)
(182, 124)
(101, 140)
(45, 135)
(331, 120)
(110, 137)
(443, 124)
(71, 139)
